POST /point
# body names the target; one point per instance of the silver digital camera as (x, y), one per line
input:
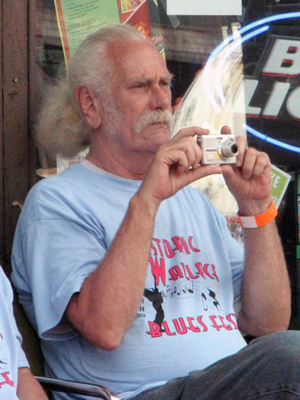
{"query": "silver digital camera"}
(218, 149)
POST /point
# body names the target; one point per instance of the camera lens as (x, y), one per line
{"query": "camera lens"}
(234, 149)
(229, 148)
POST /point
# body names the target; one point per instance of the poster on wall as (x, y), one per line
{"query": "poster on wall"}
(135, 13)
(78, 18)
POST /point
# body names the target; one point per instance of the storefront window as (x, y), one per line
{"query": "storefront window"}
(245, 70)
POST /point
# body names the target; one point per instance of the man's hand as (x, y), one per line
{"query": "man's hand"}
(249, 180)
(176, 164)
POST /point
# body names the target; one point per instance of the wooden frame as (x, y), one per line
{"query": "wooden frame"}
(16, 175)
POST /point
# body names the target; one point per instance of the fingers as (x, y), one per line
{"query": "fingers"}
(225, 130)
(255, 163)
(188, 154)
(184, 154)
(203, 171)
(252, 163)
(185, 141)
(242, 146)
(191, 131)
(184, 157)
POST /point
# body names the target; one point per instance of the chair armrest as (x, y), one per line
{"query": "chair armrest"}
(62, 385)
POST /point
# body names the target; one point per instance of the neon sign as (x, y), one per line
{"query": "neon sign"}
(225, 50)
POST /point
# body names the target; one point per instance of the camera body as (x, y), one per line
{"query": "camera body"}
(218, 149)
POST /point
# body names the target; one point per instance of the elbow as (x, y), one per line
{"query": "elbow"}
(105, 338)
(281, 322)
(101, 332)
(269, 329)
(264, 326)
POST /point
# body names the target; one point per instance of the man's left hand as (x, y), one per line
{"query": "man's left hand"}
(249, 180)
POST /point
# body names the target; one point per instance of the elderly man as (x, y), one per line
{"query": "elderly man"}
(130, 275)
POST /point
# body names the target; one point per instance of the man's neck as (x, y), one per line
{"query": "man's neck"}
(132, 166)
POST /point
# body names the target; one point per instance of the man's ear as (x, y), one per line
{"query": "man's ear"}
(89, 105)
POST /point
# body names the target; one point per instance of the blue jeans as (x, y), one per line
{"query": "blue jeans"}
(268, 368)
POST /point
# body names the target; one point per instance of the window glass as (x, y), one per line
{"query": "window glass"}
(251, 83)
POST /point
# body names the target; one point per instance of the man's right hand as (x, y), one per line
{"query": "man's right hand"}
(176, 165)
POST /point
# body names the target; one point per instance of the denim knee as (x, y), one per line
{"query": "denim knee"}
(279, 347)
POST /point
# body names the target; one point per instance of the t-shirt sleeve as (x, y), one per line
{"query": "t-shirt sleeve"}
(22, 359)
(9, 331)
(60, 254)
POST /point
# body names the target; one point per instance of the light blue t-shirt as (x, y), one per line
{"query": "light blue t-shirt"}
(186, 319)
(12, 356)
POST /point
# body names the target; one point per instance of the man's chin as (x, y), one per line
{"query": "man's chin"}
(159, 127)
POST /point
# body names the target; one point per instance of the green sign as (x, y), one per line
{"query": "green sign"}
(78, 18)
(280, 181)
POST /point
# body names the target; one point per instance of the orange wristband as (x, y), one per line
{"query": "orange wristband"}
(259, 220)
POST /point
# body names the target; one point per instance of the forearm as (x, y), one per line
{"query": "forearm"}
(109, 299)
(266, 289)
(28, 386)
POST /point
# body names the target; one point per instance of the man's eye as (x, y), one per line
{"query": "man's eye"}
(140, 85)
(166, 83)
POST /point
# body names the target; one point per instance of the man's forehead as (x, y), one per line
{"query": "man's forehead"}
(147, 74)
(139, 60)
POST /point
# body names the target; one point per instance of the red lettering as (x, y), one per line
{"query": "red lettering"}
(191, 327)
(168, 249)
(181, 330)
(199, 269)
(175, 273)
(214, 323)
(182, 325)
(7, 381)
(205, 270)
(164, 247)
(180, 244)
(232, 319)
(191, 245)
(184, 270)
(190, 272)
(185, 246)
(227, 327)
(158, 270)
(204, 326)
(158, 245)
(154, 250)
(154, 330)
(214, 272)
(167, 329)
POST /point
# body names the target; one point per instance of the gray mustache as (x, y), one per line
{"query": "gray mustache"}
(154, 117)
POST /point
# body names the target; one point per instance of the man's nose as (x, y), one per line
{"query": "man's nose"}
(160, 97)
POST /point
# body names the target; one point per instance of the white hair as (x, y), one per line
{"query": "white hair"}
(61, 128)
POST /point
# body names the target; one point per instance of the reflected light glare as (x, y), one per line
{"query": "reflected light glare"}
(206, 72)
(233, 47)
